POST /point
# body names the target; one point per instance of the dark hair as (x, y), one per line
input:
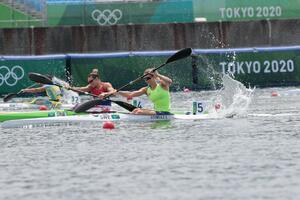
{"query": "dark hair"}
(94, 74)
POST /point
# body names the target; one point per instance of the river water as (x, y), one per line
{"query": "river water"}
(254, 155)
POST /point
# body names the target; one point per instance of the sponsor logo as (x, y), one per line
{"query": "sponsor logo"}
(107, 17)
(51, 114)
(107, 116)
(57, 114)
(115, 116)
(11, 76)
(251, 12)
(160, 117)
(257, 67)
(102, 116)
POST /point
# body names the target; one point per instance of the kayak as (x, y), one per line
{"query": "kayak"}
(14, 106)
(100, 117)
(4, 116)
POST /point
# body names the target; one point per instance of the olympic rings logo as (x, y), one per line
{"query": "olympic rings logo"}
(107, 17)
(11, 76)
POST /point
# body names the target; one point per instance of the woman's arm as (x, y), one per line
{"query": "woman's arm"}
(83, 89)
(109, 87)
(110, 90)
(34, 90)
(165, 81)
(133, 93)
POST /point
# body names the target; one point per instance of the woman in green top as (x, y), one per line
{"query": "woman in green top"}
(157, 92)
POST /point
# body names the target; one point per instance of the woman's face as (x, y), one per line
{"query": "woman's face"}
(92, 80)
(148, 78)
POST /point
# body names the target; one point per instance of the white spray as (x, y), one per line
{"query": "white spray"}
(233, 98)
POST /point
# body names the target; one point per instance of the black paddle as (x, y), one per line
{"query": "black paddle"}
(92, 103)
(183, 53)
(9, 96)
(39, 78)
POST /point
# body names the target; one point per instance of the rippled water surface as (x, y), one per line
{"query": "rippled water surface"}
(256, 156)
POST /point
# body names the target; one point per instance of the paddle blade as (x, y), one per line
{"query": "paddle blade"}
(39, 78)
(83, 107)
(9, 97)
(180, 54)
(125, 105)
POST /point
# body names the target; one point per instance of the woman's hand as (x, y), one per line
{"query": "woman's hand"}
(102, 95)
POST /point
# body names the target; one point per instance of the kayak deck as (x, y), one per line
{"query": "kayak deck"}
(17, 106)
(5, 116)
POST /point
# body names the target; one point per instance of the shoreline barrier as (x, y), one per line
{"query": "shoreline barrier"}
(260, 67)
(148, 37)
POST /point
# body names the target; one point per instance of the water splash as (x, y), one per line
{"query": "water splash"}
(234, 98)
(68, 96)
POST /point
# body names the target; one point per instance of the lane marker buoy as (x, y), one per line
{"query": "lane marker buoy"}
(108, 125)
(186, 90)
(217, 106)
(274, 94)
(43, 108)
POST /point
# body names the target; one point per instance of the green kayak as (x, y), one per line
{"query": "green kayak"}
(4, 116)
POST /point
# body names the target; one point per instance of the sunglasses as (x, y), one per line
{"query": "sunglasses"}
(147, 78)
(90, 81)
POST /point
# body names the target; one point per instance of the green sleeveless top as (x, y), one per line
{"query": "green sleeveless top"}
(160, 98)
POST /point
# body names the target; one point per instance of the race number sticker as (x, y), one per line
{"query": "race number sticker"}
(137, 103)
(198, 107)
(75, 99)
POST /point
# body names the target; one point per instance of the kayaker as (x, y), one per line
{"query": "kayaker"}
(157, 91)
(97, 87)
(53, 92)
